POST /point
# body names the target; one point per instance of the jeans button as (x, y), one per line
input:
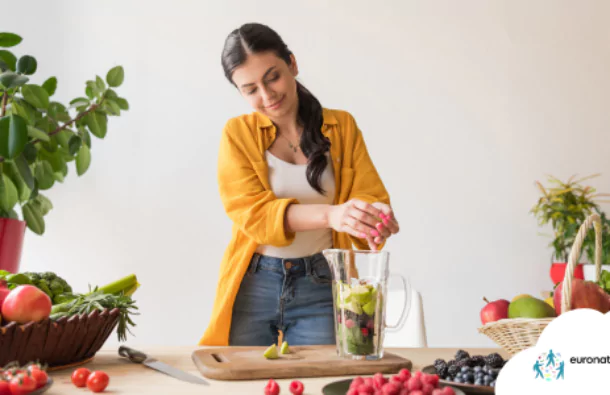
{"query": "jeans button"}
(288, 265)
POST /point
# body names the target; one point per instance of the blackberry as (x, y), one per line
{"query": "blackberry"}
(439, 363)
(461, 354)
(451, 363)
(494, 360)
(453, 370)
(462, 362)
(477, 360)
(443, 372)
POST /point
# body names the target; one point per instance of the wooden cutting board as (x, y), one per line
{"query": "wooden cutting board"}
(248, 363)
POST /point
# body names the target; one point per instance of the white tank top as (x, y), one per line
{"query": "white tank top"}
(290, 181)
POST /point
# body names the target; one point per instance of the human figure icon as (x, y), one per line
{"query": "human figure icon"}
(560, 374)
(550, 359)
(537, 367)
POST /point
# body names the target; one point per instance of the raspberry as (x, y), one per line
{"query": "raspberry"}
(272, 388)
(448, 391)
(391, 388)
(414, 383)
(356, 382)
(404, 391)
(427, 389)
(349, 323)
(296, 388)
(437, 391)
(379, 380)
(365, 332)
(416, 392)
(404, 374)
(352, 391)
(431, 379)
(396, 379)
(366, 389)
(369, 381)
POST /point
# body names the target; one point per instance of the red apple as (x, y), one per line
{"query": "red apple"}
(4, 291)
(494, 311)
(585, 295)
(26, 303)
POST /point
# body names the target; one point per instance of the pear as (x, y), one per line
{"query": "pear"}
(271, 352)
(284, 349)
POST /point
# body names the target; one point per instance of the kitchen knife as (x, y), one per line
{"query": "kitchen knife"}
(139, 357)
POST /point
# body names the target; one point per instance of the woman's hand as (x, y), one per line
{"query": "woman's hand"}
(387, 227)
(356, 218)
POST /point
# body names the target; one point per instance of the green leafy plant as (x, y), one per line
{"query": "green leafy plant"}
(40, 136)
(565, 206)
(589, 242)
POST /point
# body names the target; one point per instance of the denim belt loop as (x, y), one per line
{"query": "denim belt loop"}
(308, 261)
(254, 263)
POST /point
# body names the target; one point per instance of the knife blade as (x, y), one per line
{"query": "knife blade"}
(136, 356)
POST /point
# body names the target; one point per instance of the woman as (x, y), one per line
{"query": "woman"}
(295, 178)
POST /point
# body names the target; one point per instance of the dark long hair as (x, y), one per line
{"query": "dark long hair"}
(255, 38)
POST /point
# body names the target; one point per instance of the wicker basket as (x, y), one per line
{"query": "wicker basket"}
(517, 334)
(65, 342)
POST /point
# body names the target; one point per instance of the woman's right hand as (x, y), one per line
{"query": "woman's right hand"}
(356, 218)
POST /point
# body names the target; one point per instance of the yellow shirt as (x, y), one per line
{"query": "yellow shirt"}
(258, 215)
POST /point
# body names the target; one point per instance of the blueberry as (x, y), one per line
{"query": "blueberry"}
(477, 369)
(493, 383)
(465, 369)
(478, 382)
(457, 380)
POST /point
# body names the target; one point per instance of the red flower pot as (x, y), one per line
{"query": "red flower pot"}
(558, 272)
(12, 232)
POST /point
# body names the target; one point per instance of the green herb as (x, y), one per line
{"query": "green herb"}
(604, 281)
(98, 300)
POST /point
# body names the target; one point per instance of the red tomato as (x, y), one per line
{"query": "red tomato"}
(98, 381)
(39, 376)
(22, 385)
(79, 377)
(5, 388)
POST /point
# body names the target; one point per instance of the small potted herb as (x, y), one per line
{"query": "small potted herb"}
(565, 206)
(589, 247)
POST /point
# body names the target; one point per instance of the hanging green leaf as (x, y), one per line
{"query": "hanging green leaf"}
(44, 175)
(112, 107)
(27, 65)
(115, 76)
(8, 40)
(83, 159)
(8, 60)
(74, 144)
(43, 204)
(33, 218)
(38, 134)
(11, 171)
(9, 79)
(97, 123)
(35, 95)
(79, 102)
(101, 86)
(50, 85)
(13, 136)
(24, 169)
(85, 136)
(123, 104)
(30, 152)
(9, 196)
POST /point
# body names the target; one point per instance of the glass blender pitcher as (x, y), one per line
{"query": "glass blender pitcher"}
(360, 282)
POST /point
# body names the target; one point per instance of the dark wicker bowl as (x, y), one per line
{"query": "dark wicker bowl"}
(66, 341)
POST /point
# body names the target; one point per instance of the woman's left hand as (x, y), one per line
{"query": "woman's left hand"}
(387, 227)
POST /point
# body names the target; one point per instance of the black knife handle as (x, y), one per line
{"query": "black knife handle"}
(133, 355)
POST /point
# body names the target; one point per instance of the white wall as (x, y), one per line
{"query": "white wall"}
(463, 105)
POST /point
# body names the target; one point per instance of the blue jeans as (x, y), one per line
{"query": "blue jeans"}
(291, 295)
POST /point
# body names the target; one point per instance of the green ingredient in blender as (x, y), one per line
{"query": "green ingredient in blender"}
(369, 308)
(361, 294)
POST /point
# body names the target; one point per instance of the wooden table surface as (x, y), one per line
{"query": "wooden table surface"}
(130, 378)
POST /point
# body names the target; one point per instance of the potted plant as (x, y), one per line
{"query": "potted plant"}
(39, 137)
(565, 205)
(589, 247)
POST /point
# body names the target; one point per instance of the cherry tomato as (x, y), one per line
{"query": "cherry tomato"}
(5, 388)
(97, 381)
(22, 384)
(39, 376)
(79, 377)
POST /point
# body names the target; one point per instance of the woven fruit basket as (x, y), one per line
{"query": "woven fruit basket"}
(517, 334)
(65, 342)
